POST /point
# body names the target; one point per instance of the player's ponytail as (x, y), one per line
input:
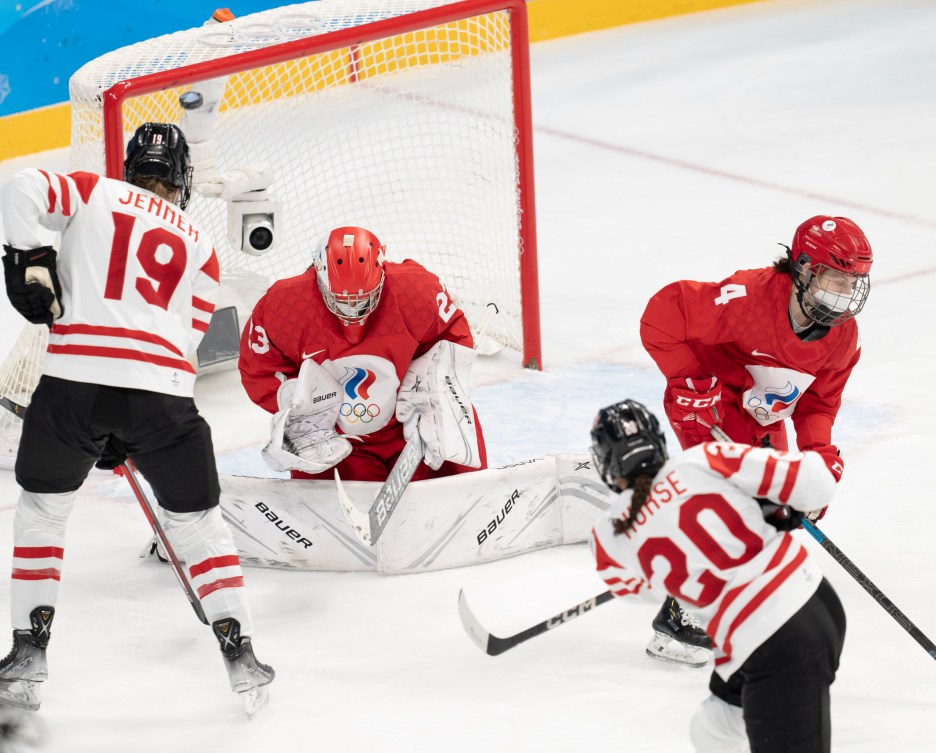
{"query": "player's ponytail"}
(641, 487)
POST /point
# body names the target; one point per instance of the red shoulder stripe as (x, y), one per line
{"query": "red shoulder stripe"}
(66, 195)
(212, 268)
(51, 195)
(85, 182)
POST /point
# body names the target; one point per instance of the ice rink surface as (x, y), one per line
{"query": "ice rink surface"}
(684, 148)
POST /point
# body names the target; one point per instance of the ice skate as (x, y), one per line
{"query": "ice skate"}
(678, 639)
(24, 669)
(249, 678)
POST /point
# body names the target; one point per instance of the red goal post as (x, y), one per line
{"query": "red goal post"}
(431, 103)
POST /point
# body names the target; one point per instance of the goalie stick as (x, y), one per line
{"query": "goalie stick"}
(369, 526)
(494, 645)
(863, 580)
(129, 472)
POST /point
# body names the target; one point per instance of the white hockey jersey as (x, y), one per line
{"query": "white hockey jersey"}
(139, 280)
(702, 538)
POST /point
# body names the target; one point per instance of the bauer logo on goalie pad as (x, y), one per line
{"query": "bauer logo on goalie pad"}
(499, 518)
(288, 531)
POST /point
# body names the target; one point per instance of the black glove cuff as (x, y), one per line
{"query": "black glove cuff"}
(20, 258)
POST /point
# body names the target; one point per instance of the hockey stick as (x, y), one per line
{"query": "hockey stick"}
(129, 472)
(863, 580)
(494, 645)
(369, 527)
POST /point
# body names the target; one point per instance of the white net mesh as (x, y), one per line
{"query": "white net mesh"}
(19, 374)
(411, 136)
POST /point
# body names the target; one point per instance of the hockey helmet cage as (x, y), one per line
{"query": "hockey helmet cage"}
(349, 269)
(159, 150)
(627, 442)
(831, 263)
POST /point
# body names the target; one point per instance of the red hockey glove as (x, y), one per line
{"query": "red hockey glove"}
(833, 459)
(695, 408)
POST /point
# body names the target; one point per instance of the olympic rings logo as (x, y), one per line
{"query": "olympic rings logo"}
(359, 412)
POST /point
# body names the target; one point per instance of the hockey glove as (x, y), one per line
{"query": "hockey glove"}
(435, 402)
(32, 283)
(695, 408)
(113, 455)
(816, 515)
(781, 517)
(303, 436)
(832, 456)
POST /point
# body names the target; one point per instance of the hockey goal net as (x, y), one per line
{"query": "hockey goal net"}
(408, 117)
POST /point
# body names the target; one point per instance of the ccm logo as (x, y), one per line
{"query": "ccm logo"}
(702, 402)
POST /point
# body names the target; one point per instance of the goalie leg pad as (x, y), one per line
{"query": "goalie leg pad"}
(435, 401)
(303, 436)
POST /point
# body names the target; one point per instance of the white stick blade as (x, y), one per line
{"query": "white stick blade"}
(358, 521)
(477, 633)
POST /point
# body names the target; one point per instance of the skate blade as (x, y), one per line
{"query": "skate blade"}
(254, 700)
(666, 649)
(26, 696)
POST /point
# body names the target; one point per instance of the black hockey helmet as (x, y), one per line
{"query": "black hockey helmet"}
(627, 442)
(159, 150)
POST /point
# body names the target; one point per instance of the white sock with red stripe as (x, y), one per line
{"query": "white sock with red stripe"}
(38, 549)
(205, 543)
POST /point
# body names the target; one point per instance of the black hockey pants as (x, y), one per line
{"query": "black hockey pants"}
(69, 423)
(783, 687)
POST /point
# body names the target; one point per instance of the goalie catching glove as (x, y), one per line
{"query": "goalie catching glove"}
(303, 431)
(434, 401)
(32, 283)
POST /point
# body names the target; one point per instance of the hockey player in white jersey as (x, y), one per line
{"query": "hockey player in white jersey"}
(712, 528)
(127, 297)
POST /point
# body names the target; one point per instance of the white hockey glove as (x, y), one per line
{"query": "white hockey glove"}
(303, 436)
(239, 183)
(434, 401)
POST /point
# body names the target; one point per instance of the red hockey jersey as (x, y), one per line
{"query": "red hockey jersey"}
(739, 331)
(139, 280)
(702, 538)
(291, 323)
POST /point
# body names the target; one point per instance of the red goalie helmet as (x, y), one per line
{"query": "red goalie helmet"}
(349, 269)
(831, 260)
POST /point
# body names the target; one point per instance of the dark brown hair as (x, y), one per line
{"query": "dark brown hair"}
(641, 487)
(783, 265)
(157, 186)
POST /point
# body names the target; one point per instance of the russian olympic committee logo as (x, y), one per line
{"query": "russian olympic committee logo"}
(774, 402)
(356, 383)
